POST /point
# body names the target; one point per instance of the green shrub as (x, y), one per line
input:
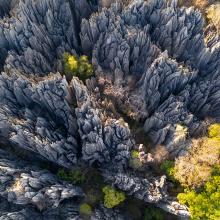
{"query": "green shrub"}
(201, 168)
(214, 131)
(167, 166)
(134, 161)
(134, 154)
(85, 209)
(153, 213)
(112, 197)
(204, 205)
(79, 67)
(216, 170)
(75, 176)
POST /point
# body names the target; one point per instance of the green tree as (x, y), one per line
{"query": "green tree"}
(112, 197)
(74, 66)
(167, 166)
(76, 176)
(85, 209)
(204, 205)
(214, 131)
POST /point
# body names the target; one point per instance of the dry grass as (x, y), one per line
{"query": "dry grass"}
(160, 154)
(202, 4)
(195, 168)
(17, 186)
(213, 15)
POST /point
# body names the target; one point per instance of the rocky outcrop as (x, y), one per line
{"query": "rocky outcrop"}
(106, 142)
(6, 6)
(151, 63)
(27, 186)
(36, 116)
(39, 33)
(151, 190)
(162, 47)
(102, 213)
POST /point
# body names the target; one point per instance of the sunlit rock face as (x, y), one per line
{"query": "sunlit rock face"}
(36, 117)
(162, 47)
(107, 142)
(106, 3)
(152, 66)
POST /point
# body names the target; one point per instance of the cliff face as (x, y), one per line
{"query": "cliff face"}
(152, 67)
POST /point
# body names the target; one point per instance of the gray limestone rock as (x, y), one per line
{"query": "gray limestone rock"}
(176, 86)
(155, 57)
(6, 6)
(152, 190)
(28, 186)
(103, 141)
(36, 116)
(149, 190)
(39, 33)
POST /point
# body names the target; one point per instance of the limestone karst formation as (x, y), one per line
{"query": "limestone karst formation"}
(152, 65)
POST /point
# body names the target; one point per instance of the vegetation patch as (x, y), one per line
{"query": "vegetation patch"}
(196, 167)
(204, 205)
(213, 13)
(85, 209)
(74, 66)
(112, 197)
(199, 173)
(76, 176)
(167, 166)
(134, 161)
(152, 213)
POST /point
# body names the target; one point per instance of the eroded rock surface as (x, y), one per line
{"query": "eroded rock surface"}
(26, 186)
(152, 67)
(36, 117)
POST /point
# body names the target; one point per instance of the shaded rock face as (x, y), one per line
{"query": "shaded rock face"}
(103, 213)
(158, 70)
(6, 7)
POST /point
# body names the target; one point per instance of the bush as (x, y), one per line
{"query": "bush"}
(160, 153)
(152, 213)
(79, 67)
(168, 167)
(205, 204)
(112, 197)
(134, 154)
(214, 131)
(75, 176)
(85, 209)
(134, 161)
